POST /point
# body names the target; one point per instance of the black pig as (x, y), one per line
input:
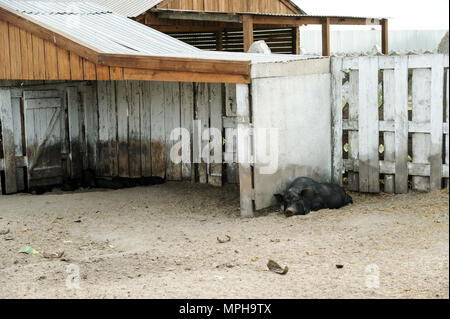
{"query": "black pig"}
(305, 195)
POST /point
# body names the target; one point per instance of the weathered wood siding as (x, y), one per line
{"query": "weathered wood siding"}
(49, 131)
(397, 133)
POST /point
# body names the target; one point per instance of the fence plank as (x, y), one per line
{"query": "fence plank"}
(17, 114)
(108, 164)
(353, 138)
(91, 123)
(421, 98)
(134, 134)
(437, 84)
(336, 114)
(172, 121)
(215, 97)
(203, 117)
(389, 115)
(157, 130)
(187, 120)
(401, 124)
(368, 125)
(146, 137)
(74, 116)
(122, 127)
(8, 141)
(230, 138)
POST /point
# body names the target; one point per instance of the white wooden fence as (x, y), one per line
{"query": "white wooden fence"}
(397, 133)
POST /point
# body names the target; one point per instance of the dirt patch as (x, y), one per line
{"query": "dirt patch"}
(162, 242)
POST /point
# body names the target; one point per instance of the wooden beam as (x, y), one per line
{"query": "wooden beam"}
(160, 15)
(326, 37)
(163, 63)
(354, 21)
(285, 20)
(172, 76)
(197, 16)
(303, 20)
(384, 36)
(248, 32)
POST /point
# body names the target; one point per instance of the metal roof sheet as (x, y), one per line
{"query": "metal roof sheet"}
(134, 8)
(127, 8)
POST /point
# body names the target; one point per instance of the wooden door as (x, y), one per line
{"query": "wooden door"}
(44, 123)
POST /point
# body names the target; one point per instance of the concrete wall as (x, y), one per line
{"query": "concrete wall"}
(299, 108)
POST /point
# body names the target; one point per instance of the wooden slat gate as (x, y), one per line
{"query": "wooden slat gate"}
(393, 113)
(44, 135)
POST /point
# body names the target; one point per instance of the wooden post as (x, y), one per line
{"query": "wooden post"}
(219, 41)
(384, 36)
(245, 170)
(326, 37)
(248, 32)
(296, 40)
(336, 112)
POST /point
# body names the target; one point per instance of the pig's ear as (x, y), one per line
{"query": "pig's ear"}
(307, 193)
(279, 197)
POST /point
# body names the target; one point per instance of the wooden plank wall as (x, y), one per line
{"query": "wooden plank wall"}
(261, 6)
(123, 128)
(24, 56)
(137, 119)
(397, 135)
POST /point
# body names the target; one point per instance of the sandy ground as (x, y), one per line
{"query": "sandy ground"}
(161, 242)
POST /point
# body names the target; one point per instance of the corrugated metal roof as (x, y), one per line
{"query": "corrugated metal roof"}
(126, 8)
(134, 8)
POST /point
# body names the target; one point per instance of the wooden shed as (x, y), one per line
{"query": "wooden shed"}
(233, 25)
(84, 88)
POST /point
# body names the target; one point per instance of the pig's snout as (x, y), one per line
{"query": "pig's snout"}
(291, 211)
